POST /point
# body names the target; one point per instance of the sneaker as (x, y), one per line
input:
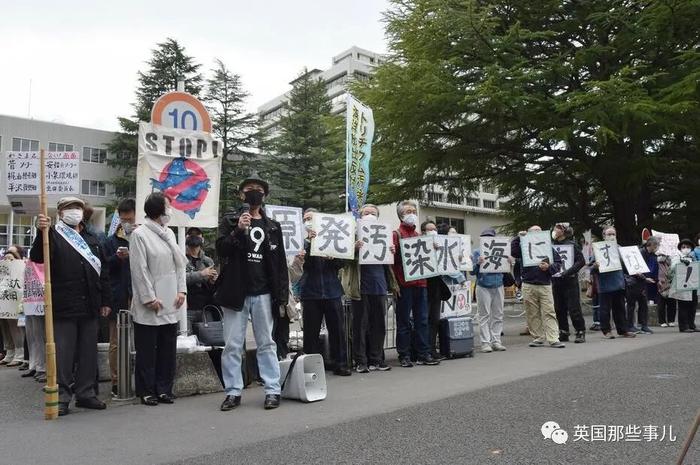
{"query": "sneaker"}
(362, 368)
(230, 403)
(664, 325)
(486, 348)
(498, 347)
(406, 363)
(595, 326)
(580, 337)
(563, 336)
(40, 377)
(646, 330)
(92, 403)
(381, 366)
(9, 356)
(536, 343)
(633, 329)
(557, 345)
(427, 360)
(608, 335)
(672, 324)
(342, 372)
(115, 391)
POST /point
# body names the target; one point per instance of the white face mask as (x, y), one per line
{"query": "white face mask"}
(411, 219)
(308, 225)
(370, 217)
(685, 251)
(431, 233)
(554, 235)
(72, 216)
(610, 237)
(128, 227)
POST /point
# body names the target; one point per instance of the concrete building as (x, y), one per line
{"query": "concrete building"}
(469, 214)
(29, 135)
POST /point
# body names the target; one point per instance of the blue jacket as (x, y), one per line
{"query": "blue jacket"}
(696, 253)
(320, 280)
(119, 275)
(488, 280)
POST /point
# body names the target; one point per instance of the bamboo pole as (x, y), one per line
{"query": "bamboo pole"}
(51, 388)
(689, 439)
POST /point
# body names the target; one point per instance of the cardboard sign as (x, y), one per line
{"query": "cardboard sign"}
(292, 226)
(566, 253)
(335, 236)
(376, 240)
(669, 243)
(459, 304)
(607, 255)
(11, 283)
(465, 263)
(495, 251)
(687, 277)
(448, 254)
(418, 257)
(536, 247)
(633, 260)
(33, 302)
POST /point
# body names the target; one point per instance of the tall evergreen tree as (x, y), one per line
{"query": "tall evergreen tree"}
(305, 157)
(168, 64)
(234, 126)
(585, 111)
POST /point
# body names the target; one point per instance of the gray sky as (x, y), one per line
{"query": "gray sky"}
(82, 56)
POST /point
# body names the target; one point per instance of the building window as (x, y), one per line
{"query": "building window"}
(93, 155)
(24, 145)
(472, 202)
(435, 197)
(4, 218)
(457, 223)
(56, 147)
(488, 189)
(98, 188)
(490, 204)
(455, 199)
(22, 230)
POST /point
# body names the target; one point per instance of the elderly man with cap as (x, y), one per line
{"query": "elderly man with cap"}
(80, 293)
(565, 287)
(253, 282)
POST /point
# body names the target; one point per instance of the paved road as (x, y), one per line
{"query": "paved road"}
(483, 410)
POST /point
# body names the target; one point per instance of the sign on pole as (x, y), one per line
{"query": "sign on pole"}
(186, 166)
(633, 260)
(495, 251)
(535, 248)
(376, 240)
(11, 279)
(292, 226)
(180, 110)
(607, 255)
(335, 236)
(358, 147)
(418, 257)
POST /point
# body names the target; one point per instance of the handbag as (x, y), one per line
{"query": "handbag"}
(210, 330)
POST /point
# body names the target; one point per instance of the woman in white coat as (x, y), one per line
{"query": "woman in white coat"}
(158, 282)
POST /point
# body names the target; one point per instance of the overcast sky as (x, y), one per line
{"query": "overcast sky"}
(82, 56)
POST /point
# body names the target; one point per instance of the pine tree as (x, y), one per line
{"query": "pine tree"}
(305, 158)
(234, 126)
(168, 64)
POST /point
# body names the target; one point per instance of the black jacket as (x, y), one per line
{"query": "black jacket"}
(320, 280)
(533, 274)
(230, 289)
(119, 275)
(572, 272)
(76, 289)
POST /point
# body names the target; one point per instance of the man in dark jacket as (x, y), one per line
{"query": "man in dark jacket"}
(538, 298)
(565, 287)
(201, 274)
(636, 289)
(253, 282)
(321, 294)
(117, 252)
(80, 292)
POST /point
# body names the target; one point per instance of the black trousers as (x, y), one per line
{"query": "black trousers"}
(434, 305)
(156, 347)
(666, 310)
(637, 298)
(280, 334)
(76, 357)
(567, 304)
(613, 302)
(686, 315)
(313, 314)
(368, 329)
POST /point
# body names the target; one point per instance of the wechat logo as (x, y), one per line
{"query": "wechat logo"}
(552, 430)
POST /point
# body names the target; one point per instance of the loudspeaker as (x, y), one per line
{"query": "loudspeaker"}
(307, 382)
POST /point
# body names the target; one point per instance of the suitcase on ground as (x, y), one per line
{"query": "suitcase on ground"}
(456, 337)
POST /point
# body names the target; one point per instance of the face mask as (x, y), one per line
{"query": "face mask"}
(554, 235)
(610, 237)
(194, 241)
(370, 217)
(72, 217)
(411, 219)
(254, 198)
(128, 228)
(431, 233)
(308, 225)
(685, 251)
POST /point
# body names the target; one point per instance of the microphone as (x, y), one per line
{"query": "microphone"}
(245, 208)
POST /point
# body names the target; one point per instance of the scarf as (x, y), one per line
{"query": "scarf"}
(162, 232)
(78, 243)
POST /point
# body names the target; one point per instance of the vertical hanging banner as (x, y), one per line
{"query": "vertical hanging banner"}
(11, 283)
(358, 148)
(186, 166)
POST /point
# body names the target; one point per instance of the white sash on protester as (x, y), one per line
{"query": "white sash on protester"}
(78, 243)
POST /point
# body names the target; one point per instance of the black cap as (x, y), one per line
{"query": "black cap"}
(254, 178)
(194, 229)
(687, 242)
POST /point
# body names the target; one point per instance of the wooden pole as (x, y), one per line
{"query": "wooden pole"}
(51, 388)
(689, 438)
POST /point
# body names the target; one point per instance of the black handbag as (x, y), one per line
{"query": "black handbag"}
(210, 331)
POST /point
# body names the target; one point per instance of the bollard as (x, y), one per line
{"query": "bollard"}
(124, 389)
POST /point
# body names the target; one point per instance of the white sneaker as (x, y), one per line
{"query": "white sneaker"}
(498, 347)
(672, 325)
(486, 348)
(664, 325)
